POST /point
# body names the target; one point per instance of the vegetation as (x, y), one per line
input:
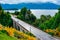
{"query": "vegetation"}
(26, 16)
(52, 25)
(0, 7)
(13, 34)
(4, 36)
(5, 18)
(53, 32)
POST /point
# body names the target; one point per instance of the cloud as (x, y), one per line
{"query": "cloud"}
(27, 1)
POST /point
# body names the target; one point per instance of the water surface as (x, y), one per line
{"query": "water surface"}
(39, 12)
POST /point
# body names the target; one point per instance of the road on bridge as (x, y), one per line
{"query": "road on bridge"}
(38, 33)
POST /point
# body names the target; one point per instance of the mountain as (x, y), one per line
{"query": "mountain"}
(47, 5)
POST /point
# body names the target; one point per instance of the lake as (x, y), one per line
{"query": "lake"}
(39, 12)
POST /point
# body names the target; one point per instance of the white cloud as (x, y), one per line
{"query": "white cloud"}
(27, 1)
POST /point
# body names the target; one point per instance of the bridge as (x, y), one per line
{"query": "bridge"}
(25, 27)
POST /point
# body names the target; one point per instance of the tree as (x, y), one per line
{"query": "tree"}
(36, 23)
(29, 11)
(32, 18)
(20, 16)
(24, 11)
(48, 17)
(47, 24)
(0, 7)
(16, 13)
(26, 15)
(1, 10)
(5, 18)
(57, 19)
(43, 18)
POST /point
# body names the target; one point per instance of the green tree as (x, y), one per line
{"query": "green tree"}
(43, 18)
(28, 14)
(0, 7)
(32, 18)
(16, 13)
(20, 16)
(5, 18)
(48, 17)
(36, 23)
(47, 24)
(57, 19)
(1, 10)
(29, 11)
(24, 11)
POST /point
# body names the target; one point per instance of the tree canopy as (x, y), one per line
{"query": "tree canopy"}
(26, 15)
(0, 7)
(5, 18)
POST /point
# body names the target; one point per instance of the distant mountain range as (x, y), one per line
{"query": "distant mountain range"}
(30, 6)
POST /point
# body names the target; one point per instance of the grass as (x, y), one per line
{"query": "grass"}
(4, 36)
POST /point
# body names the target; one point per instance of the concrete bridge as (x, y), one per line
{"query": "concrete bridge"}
(24, 27)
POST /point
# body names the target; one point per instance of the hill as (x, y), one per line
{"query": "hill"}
(47, 5)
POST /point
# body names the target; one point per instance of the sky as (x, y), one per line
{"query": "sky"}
(28, 1)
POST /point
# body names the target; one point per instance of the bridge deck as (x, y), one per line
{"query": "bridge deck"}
(38, 33)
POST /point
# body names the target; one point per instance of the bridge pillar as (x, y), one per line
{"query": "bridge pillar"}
(13, 24)
(19, 27)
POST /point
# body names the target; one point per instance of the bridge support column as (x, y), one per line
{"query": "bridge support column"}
(13, 24)
(19, 27)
